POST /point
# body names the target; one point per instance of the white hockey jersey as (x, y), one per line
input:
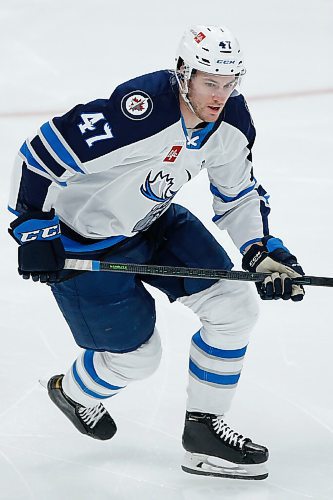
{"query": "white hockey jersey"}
(109, 168)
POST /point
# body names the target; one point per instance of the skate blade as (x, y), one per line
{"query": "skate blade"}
(206, 465)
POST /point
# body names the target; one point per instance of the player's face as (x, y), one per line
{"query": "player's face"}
(209, 93)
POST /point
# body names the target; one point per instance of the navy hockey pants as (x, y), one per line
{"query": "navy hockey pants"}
(113, 311)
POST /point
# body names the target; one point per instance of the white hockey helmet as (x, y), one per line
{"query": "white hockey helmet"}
(212, 49)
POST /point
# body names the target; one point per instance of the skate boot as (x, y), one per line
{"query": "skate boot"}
(214, 449)
(94, 421)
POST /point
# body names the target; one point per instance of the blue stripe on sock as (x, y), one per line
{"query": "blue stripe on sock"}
(89, 366)
(85, 388)
(214, 351)
(213, 377)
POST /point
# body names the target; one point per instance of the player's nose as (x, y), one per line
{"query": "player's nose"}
(218, 98)
(219, 94)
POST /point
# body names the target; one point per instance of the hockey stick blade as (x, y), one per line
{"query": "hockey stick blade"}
(185, 272)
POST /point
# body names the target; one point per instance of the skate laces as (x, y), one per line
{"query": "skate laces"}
(226, 433)
(91, 416)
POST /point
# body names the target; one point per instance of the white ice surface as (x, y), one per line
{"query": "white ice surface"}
(55, 54)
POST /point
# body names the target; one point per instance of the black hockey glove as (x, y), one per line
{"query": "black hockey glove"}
(41, 254)
(273, 257)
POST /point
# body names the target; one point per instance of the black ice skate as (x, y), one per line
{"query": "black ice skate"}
(214, 449)
(94, 422)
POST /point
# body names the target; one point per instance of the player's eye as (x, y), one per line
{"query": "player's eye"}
(230, 85)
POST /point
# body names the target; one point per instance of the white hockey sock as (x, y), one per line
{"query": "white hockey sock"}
(228, 312)
(214, 374)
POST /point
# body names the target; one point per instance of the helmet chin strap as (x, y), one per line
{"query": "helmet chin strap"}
(188, 102)
(183, 81)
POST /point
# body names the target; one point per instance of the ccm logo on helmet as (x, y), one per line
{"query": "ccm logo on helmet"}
(223, 61)
(41, 234)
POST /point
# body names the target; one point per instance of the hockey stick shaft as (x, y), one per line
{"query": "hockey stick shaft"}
(185, 272)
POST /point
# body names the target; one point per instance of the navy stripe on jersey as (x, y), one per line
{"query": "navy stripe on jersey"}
(264, 211)
(264, 208)
(34, 163)
(58, 147)
(46, 157)
(30, 160)
(264, 204)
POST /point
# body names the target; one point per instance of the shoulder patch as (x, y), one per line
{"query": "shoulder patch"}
(137, 105)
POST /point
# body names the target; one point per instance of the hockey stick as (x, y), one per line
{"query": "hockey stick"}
(185, 272)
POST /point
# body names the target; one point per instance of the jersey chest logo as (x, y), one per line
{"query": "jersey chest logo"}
(137, 105)
(159, 189)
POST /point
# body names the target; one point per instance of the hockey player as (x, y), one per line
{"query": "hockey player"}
(99, 182)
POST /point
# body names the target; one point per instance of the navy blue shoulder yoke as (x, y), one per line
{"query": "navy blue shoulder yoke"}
(237, 114)
(137, 109)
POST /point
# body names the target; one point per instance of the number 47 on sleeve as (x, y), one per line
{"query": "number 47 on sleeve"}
(89, 121)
